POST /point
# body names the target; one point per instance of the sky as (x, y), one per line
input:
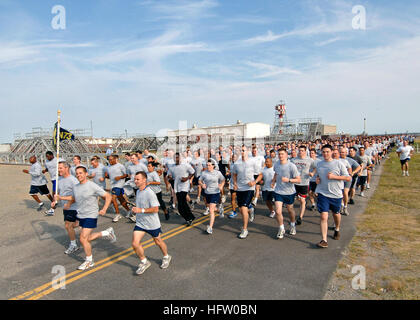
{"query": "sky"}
(144, 65)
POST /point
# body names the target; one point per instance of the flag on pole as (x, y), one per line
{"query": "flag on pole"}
(64, 135)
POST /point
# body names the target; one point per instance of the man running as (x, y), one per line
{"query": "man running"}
(147, 221)
(244, 184)
(38, 182)
(153, 180)
(330, 176)
(51, 168)
(97, 172)
(267, 189)
(259, 161)
(77, 161)
(355, 168)
(86, 194)
(363, 174)
(286, 175)
(116, 174)
(181, 173)
(66, 183)
(304, 164)
(405, 152)
(312, 180)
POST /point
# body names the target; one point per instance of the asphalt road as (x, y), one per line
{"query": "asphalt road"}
(218, 266)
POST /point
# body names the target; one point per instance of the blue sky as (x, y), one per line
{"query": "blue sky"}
(143, 65)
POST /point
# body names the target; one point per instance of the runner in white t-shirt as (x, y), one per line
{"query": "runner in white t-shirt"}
(405, 152)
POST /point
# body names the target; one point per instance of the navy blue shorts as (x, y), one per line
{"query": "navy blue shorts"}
(88, 223)
(39, 189)
(326, 204)
(117, 191)
(268, 195)
(70, 215)
(403, 162)
(212, 198)
(243, 198)
(54, 186)
(287, 199)
(154, 233)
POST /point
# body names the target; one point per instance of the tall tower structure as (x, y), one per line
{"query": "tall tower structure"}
(279, 118)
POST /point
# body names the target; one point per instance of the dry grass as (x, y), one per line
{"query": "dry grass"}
(387, 242)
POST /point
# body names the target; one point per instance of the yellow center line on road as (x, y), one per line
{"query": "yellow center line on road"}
(101, 264)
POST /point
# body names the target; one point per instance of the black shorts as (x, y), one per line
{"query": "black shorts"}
(403, 162)
(302, 191)
(312, 186)
(70, 215)
(232, 191)
(172, 183)
(165, 174)
(361, 181)
(195, 181)
(244, 198)
(39, 189)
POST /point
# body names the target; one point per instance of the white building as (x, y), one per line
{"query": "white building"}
(250, 130)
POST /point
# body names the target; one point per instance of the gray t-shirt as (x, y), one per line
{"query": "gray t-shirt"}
(37, 177)
(114, 171)
(65, 188)
(330, 188)
(366, 161)
(268, 175)
(316, 161)
(86, 197)
(288, 170)
(245, 171)
(146, 199)
(353, 163)
(73, 169)
(99, 172)
(134, 168)
(198, 164)
(178, 172)
(304, 166)
(212, 181)
(51, 166)
(154, 177)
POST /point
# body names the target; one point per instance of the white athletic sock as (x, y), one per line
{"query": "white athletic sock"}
(73, 243)
(144, 260)
(282, 227)
(105, 233)
(41, 203)
(89, 258)
(292, 224)
(166, 257)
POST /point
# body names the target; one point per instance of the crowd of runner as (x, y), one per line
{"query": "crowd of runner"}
(328, 173)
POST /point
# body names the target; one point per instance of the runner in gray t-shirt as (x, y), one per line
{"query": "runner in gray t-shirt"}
(147, 221)
(304, 165)
(86, 194)
(330, 177)
(285, 176)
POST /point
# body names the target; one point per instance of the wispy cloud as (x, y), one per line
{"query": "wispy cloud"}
(329, 41)
(271, 70)
(181, 9)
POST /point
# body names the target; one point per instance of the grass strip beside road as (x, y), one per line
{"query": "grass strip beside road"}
(387, 240)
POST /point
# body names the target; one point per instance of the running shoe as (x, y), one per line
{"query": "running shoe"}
(243, 234)
(280, 234)
(322, 244)
(407, 174)
(251, 215)
(345, 211)
(143, 267)
(232, 215)
(165, 262)
(223, 199)
(197, 201)
(221, 211)
(41, 205)
(272, 214)
(362, 194)
(49, 212)
(112, 237)
(351, 201)
(207, 212)
(298, 221)
(167, 216)
(312, 208)
(117, 218)
(254, 202)
(86, 265)
(209, 230)
(192, 205)
(336, 235)
(403, 174)
(367, 186)
(132, 218)
(71, 249)
(292, 230)
(190, 222)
